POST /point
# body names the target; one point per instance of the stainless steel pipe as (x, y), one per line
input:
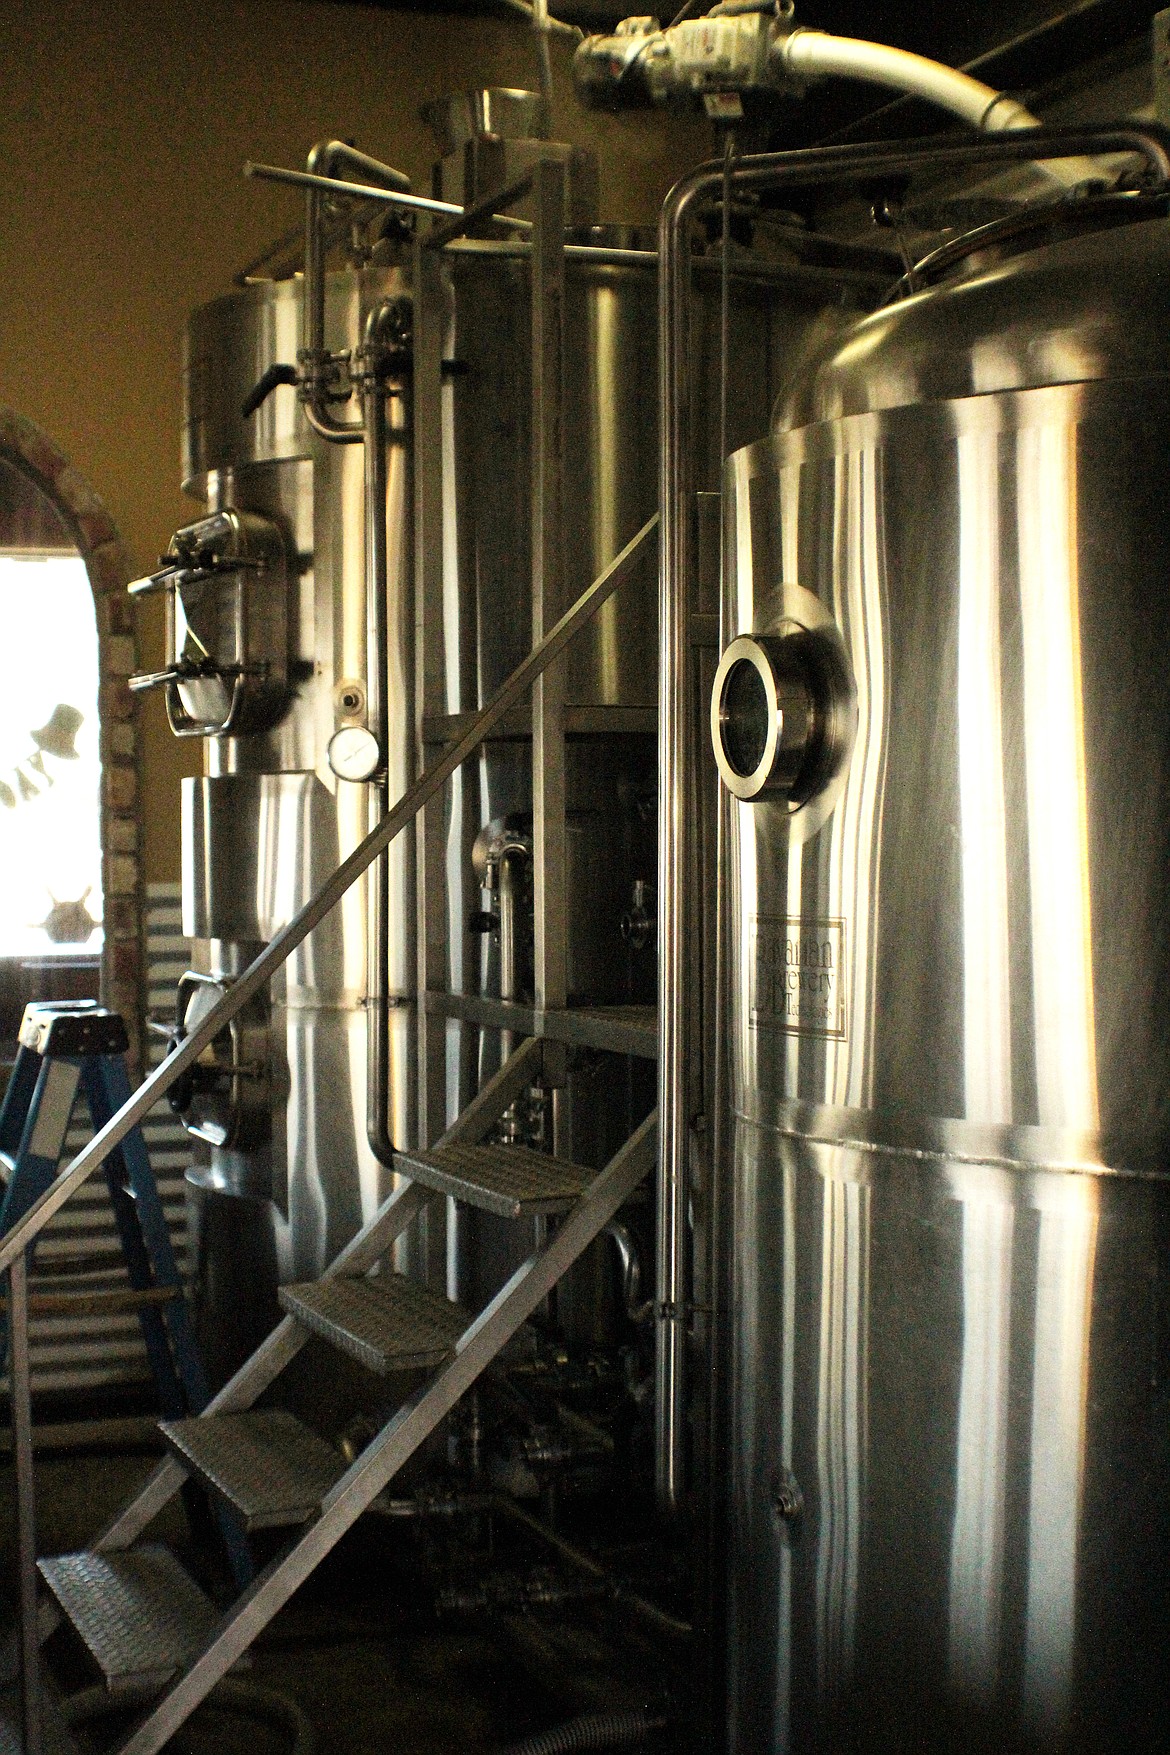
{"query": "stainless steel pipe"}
(374, 426)
(367, 192)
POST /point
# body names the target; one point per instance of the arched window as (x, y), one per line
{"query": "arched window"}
(70, 879)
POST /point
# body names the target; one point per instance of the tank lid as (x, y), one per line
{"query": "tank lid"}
(1091, 306)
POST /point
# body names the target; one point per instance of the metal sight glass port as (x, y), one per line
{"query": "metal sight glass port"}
(784, 715)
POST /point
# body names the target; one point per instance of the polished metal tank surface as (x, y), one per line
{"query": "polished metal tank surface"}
(950, 1300)
(269, 818)
(610, 470)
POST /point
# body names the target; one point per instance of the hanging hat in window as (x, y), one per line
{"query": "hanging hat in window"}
(68, 923)
(56, 737)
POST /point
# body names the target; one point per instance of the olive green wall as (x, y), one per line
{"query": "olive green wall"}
(122, 133)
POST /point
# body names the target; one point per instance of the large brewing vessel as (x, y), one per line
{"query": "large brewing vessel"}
(289, 1166)
(944, 715)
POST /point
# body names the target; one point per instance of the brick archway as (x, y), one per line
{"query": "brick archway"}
(27, 448)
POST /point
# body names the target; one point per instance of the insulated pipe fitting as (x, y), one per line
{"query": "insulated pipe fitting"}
(814, 54)
(740, 48)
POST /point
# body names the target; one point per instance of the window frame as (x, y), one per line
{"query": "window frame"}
(26, 448)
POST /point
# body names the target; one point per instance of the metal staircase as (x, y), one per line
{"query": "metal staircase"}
(144, 1621)
(142, 1618)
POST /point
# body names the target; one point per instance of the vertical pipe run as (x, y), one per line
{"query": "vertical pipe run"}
(542, 26)
(26, 1533)
(429, 325)
(548, 695)
(377, 718)
(676, 496)
(430, 694)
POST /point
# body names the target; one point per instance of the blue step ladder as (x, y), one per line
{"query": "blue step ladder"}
(63, 1045)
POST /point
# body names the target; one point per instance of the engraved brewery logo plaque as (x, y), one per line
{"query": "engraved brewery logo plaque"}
(797, 979)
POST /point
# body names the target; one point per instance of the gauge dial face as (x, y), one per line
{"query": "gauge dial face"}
(353, 753)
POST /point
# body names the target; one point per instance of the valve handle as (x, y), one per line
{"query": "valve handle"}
(264, 386)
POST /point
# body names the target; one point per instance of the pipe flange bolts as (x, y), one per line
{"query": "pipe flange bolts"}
(784, 710)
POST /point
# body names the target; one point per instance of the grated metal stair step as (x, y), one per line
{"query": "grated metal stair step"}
(139, 1614)
(271, 1468)
(389, 1323)
(510, 1180)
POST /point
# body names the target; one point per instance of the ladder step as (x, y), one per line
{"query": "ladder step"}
(510, 1180)
(389, 1323)
(139, 1614)
(265, 1463)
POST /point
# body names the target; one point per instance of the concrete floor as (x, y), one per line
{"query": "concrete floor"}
(374, 1673)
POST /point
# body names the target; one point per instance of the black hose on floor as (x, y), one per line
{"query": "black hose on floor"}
(246, 1698)
(593, 1730)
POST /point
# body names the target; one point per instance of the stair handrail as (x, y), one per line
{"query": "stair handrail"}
(281, 947)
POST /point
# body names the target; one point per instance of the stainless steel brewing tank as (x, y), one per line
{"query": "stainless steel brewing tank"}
(950, 1283)
(269, 821)
(611, 458)
(610, 463)
(268, 818)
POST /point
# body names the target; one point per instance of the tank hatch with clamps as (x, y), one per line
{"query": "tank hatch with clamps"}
(225, 583)
(225, 1097)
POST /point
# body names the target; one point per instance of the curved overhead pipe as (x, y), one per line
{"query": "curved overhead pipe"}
(815, 54)
(325, 160)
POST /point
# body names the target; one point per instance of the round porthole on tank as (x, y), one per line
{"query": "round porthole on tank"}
(784, 712)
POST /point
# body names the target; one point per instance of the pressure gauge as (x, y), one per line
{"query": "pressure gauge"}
(353, 753)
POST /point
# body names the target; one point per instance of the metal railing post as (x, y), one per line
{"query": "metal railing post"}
(20, 1399)
(550, 884)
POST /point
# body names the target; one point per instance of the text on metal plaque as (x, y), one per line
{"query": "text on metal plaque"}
(797, 975)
